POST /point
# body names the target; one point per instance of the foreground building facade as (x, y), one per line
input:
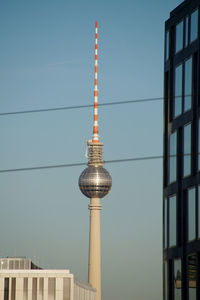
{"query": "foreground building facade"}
(181, 170)
(20, 279)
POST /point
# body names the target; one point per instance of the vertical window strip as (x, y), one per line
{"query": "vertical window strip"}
(173, 157)
(179, 36)
(165, 281)
(178, 88)
(194, 26)
(172, 221)
(191, 214)
(167, 45)
(186, 31)
(165, 224)
(187, 150)
(177, 279)
(198, 205)
(188, 85)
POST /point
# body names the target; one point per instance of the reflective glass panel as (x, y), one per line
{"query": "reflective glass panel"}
(178, 91)
(167, 46)
(194, 26)
(177, 279)
(172, 221)
(192, 276)
(191, 214)
(199, 145)
(165, 281)
(172, 156)
(198, 211)
(187, 150)
(186, 31)
(165, 225)
(179, 36)
(188, 85)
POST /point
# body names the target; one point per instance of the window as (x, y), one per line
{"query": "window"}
(172, 221)
(34, 288)
(13, 289)
(199, 211)
(165, 224)
(194, 26)
(187, 150)
(186, 31)
(165, 281)
(177, 279)
(25, 288)
(41, 288)
(199, 145)
(179, 36)
(66, 289)
(188, 85)
(192, 276)
(51, 288)
(191, 214)
(178, 91)
(6, 288)
(167, 45)
(172, 156)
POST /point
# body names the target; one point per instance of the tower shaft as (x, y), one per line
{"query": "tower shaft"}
(94, 266)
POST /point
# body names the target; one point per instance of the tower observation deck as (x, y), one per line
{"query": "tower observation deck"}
(95, 183)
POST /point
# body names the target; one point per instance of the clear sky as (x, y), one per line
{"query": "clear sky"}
(47, 60)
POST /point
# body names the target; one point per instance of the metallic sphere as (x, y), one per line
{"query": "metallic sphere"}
(95, 182)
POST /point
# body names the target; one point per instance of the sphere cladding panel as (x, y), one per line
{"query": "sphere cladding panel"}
(95, 182)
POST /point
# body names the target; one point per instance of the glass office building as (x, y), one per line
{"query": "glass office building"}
(181, 164)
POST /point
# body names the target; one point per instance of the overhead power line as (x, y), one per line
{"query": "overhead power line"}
(83, 106)
(123, 160)
(78, 164)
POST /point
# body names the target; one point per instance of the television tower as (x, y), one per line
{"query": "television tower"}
(95, 182)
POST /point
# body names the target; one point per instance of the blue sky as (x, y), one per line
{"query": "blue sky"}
(47, 60)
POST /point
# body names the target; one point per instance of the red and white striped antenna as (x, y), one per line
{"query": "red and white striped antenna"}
(95, 137)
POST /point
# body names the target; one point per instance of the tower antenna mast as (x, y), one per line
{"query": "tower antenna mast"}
(95, 137)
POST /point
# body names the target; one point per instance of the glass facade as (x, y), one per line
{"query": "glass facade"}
(178, 90)
(165, 225)
(179, 36)
(167, 46)
(192, 276)
(172, 221)
(194, 26)
(188, 85)
(165, 281)
(187, 150)
(177, 279)
(198, 205)
(181, 164)
(186, 31)
(191, 214)
(199, 144)
(172, 157)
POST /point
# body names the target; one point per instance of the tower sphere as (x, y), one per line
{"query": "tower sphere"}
(95, 182)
